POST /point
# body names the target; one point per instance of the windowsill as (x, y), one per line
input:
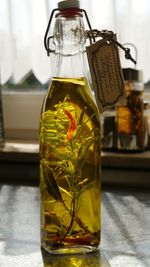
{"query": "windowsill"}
(21, 113)
(19, 151)
(137, 161)
(117, 168)
(126, 169)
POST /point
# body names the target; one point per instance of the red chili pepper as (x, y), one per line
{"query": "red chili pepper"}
(72, 125)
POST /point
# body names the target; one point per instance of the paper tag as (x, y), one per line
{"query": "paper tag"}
(106, 73)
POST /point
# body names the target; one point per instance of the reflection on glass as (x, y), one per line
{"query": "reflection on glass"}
(95, 259)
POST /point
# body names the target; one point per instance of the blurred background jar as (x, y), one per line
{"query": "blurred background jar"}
(147, 123)
(109, 136)
(130, 113)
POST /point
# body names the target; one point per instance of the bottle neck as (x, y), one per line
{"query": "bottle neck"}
(69, 66)
(69, 41)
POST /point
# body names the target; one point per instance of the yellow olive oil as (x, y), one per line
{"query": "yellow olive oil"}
(70, 168)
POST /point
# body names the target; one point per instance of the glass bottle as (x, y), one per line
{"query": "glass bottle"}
(69, 145)
(130, 120)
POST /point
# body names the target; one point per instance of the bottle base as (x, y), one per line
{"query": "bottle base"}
(70, 250)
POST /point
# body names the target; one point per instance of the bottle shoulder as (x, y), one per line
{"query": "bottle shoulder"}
(77, 89)
(74, 95)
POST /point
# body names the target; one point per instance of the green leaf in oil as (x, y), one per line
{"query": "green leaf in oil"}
(51, 183)
(82, 115)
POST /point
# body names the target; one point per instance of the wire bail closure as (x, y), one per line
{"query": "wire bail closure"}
(91, 34)
(47, 38)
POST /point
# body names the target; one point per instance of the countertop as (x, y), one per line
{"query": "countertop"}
(125, 230)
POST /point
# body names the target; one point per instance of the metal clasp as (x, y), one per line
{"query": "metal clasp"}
(47, 38)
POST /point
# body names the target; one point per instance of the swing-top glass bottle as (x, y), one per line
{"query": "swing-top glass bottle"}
(69, 145)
